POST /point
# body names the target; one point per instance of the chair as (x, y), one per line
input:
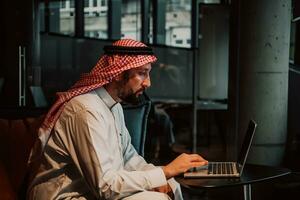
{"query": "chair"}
(136, 117)
(38, 97)
(17, 137)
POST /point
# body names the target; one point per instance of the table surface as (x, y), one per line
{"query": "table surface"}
(251, 174)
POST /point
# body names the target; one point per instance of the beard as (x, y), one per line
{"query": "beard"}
(132, 98)
(129, 97)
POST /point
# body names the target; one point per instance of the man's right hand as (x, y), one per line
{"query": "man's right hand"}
(183, 163)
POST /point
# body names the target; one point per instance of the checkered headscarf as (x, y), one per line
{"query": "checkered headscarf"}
(108, 67)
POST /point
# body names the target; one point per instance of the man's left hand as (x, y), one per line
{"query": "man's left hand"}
(165, 189)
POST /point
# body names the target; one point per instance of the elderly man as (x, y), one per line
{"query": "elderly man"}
(84, 149)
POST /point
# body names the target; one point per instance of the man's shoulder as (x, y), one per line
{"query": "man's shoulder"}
(87, 101)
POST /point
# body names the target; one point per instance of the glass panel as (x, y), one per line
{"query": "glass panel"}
(292, 42)
(131, 19)
(95, 18)
(62, 17)
(86, 3)
(178, 23)
(42, 16)
(150, 35)
(171, 75)
(95, 3)
(64, 59)
(103, 2)
(213, 52)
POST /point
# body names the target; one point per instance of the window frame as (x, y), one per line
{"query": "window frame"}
(115, 33)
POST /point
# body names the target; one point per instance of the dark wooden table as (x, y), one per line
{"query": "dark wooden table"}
(251, 174)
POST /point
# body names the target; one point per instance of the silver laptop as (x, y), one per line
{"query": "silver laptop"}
(226, 169)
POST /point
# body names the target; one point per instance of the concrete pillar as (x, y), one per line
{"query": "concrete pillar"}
(263, 76)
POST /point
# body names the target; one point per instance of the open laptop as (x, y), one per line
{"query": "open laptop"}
(226, 169)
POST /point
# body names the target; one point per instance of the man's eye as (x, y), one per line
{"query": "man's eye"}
(143, 73)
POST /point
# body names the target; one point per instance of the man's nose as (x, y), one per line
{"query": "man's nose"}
(147, 82)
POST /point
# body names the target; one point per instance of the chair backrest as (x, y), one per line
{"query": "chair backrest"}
(136, 117)
(17, 137)
(39, 98)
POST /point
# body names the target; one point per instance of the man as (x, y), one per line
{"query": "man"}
(85, 150)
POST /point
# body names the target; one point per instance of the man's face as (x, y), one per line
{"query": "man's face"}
(133, 83)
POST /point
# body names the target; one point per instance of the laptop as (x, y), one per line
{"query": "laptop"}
(226, 169)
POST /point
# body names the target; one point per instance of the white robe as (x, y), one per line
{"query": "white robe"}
(90, 156)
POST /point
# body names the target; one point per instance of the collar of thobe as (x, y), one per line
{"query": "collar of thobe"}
(114, 106)
(105, 96)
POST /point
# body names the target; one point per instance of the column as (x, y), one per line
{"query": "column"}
(263, 76)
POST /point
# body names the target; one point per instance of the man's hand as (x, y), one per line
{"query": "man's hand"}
(182, 163)
(165, 189)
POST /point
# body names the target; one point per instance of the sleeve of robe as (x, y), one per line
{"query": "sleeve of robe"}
(89, 150)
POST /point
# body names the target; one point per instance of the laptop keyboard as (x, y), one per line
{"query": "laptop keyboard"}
(221, 168)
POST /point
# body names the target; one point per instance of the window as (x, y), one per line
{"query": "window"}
(42, 16)
(63, 4)
(131, 19)
(103, 2)
(86, 3)
(150, 35)
(292, 42)
(295, 36)
(178, 41)
(95, 3)
(95, 19)
(213, 54)
(61, 17)
(71, 2)
(178, 22)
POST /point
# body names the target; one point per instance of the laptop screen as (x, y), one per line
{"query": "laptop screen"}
(246, 144)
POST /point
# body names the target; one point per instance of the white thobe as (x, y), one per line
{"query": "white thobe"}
(90, 156)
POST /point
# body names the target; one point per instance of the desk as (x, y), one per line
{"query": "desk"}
(251, 174)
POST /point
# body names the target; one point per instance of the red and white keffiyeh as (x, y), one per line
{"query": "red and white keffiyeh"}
(108, 67)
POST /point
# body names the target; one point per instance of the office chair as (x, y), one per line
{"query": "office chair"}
(136, 117)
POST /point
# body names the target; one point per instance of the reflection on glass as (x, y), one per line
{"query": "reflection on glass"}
(62, 17)
(95, 18)
(131, 19)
